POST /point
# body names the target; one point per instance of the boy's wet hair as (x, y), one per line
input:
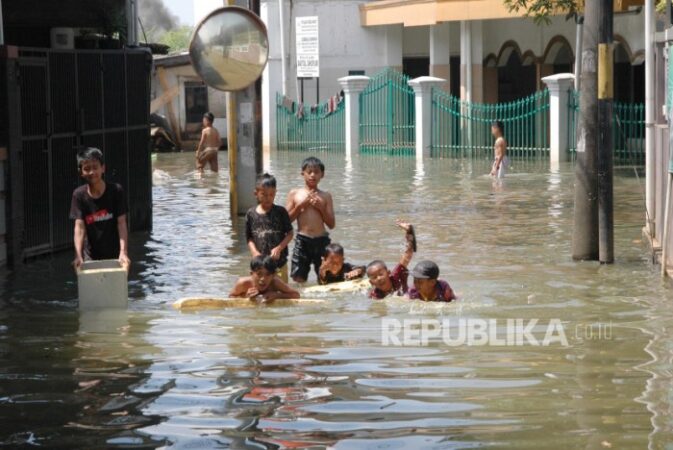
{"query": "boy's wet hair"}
(209, 116)
(263, 262)
(312, 161)
(334, 249)
(265, 181)
(89, 154)
(499, 125)
(376, 262)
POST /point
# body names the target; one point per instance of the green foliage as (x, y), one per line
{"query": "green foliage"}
(177, 39)
(541, 10)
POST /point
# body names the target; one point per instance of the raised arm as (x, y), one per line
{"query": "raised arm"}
(410, 239)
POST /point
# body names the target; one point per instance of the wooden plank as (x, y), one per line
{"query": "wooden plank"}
(164, 98)
(161, 73)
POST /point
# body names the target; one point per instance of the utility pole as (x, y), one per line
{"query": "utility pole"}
(585, 227)
(605, 144)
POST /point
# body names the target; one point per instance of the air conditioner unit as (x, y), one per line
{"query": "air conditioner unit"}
(63, 38)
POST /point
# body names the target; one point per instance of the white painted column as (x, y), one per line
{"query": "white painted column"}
(393, 46)
(352, 86)
(471, 61)
(440, 53)
(422, 87)
(559, 86)
(650, 159)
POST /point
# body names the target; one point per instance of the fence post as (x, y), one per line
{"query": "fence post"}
(422, 87)
(558, 86)
(352, 87)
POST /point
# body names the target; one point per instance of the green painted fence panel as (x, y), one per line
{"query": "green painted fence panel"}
(317, 129)
(387, 115)
(464, 128)
(628, 130)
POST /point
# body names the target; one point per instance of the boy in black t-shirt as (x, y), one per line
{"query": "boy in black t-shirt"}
(99, 211)
(268, 229)
(333, 268)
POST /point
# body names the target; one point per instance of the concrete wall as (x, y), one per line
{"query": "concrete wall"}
(535, 38)
(346, 45)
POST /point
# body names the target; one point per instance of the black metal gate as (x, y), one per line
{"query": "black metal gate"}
(66, 100)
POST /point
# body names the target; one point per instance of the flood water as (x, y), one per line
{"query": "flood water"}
(320, 375)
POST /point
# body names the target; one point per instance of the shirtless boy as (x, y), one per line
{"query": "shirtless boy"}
(501, 161)
(383, 281)
(262, 282)
(314, 211)
(209, 145)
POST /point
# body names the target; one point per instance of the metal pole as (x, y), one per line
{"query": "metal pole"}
(650, 159)
(2, 28)
(585, 225)
(579, 21)
(317, 90)
(283, 50)
(605, 144)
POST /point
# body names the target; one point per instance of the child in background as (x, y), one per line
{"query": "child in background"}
(385, 282)
(262, 282)
(427, 286)
(268, 229)
(99, 210)
(501, 162)
(314, 211)
(209, 145)
(333, 268)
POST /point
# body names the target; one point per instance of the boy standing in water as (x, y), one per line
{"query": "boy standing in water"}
(99, 210)
(385, 282)
(262, 282)
(206, 152)
(501, 161)
(314, 210)
(268, 229)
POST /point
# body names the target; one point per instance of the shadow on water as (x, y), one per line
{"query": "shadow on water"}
(321, 375)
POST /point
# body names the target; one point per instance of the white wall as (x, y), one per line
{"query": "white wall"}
(344, 46)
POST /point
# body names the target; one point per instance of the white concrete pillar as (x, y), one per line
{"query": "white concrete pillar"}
(440, 53)
(393, 46)
(352, 86)
(422, 87)
(471, 61)
(559, 86)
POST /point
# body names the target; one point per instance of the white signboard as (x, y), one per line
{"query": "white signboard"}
(308, 48)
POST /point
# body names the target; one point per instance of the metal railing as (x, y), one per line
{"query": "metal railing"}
(314, 128)
(628, 131)
(461, 128)
(387, 115)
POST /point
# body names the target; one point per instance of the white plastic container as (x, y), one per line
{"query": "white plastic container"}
(102, 285)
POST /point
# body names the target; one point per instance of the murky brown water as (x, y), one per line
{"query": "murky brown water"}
(319, 376)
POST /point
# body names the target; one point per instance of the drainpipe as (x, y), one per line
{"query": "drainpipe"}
(579, 21)
(283, 50)
(649, 116)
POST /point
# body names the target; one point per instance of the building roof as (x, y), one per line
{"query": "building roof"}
(178, 59)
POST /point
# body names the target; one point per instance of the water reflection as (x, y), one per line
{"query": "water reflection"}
(318, 376)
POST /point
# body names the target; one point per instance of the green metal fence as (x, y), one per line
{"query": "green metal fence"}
(463, 128)
(628, 131)
(316, 129)
(387, 115)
